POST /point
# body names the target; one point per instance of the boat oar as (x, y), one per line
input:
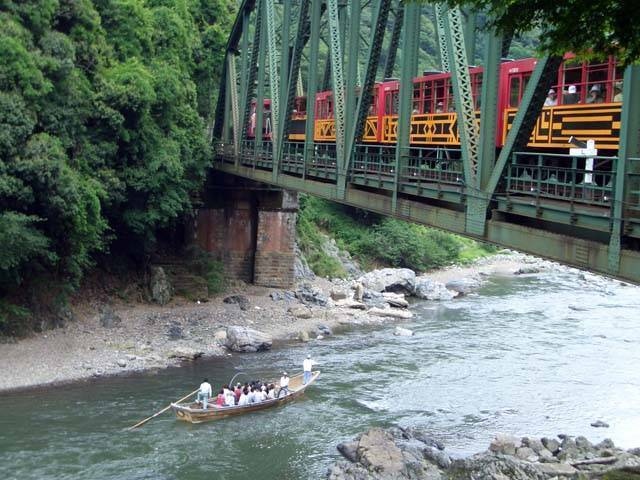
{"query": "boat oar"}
(161, 411)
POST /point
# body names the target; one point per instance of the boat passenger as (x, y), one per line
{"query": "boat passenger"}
(263, 393)
(284, 384)
(220, 399)
(204, 393)
(244, 398)
(271, 391)
(229, 398)
(237, 392)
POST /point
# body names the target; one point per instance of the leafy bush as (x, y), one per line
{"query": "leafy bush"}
(377, 241)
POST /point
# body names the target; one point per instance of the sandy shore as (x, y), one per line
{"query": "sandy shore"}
(141, 341)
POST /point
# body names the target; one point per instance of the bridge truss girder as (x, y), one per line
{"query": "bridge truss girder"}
(270, 50)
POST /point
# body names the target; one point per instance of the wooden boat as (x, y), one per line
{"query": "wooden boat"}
(194, 413)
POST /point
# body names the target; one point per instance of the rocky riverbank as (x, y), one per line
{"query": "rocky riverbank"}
(110, 337)
(398, 453)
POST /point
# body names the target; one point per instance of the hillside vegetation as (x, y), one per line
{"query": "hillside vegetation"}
(377, 241)
(104, 107)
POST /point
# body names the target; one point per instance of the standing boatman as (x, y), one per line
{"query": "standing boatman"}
(307, 365)
(204, 393)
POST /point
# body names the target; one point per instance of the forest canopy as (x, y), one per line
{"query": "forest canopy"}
(104, 110)
(585, 27)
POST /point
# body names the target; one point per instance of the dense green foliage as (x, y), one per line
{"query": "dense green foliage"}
(104, 109)
(376, 241)
(586, 27)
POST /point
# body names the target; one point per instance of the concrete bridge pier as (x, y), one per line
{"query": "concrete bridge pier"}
(251, 228)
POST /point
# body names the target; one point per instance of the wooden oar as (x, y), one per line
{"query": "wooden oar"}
(161, 411)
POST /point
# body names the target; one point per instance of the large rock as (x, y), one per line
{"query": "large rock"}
(395, 299)
(378, 452)
(160, 286)
(389, 280)
(505, 444)
(428, 289)
(185, 353)
(301, 269)
(488, 466)
(243, 339)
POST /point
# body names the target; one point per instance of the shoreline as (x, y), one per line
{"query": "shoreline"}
(146, 337)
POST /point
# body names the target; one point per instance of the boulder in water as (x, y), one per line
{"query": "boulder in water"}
(243, 339)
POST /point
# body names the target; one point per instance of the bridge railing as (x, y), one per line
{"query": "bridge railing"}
(562, 177)
(633, 181)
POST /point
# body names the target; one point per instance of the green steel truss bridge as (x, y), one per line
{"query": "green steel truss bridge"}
(484, 194)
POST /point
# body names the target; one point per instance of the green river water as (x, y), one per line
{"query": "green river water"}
(537, 355)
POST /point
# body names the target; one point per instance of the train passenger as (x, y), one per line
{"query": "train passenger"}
(617, 92)
(439, 107)
(551, 100)
(595, 95)
(571, 97)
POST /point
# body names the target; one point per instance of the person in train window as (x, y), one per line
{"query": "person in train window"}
(440, 107)
(595, 95)
(551, 100)
(571, 96)
(617, 92)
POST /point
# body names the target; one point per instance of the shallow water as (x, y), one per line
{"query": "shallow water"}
(536, 355)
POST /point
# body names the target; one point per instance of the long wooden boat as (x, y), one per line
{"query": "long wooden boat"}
(194, 413)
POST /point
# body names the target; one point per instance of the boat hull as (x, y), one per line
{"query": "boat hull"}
(193, 413)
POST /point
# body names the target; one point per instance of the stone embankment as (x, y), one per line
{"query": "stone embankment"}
(110, 337)
(398, 453)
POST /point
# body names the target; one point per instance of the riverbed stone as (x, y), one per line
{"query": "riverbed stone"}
(551, 444)
(599, 424)
(300, 311)
(505, 444)
(428, 289)
(378, 452)
(395, 299)
(556, 469)
(240, 300)
(160, 286)
(390, 312)
(463, 286)
(109, 318)
(310, 295)
(243, 339)
(389, 280)
(337, 294)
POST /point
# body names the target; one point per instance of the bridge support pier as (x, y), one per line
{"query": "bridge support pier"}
(251, 229)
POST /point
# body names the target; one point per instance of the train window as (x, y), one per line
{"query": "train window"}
(597, 87)
(427, 101)
(417, 98)
(476, 88)
(572, 76)
(514, 91)
(373, 109)
(391, 103)
(439, 89)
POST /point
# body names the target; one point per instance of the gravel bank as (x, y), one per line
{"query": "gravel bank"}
(146, 337)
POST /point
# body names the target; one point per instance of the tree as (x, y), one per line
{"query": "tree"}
(589, 28)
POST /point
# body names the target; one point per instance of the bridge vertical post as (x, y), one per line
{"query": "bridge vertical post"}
(335, 53)
(440, 14)
(226, 123)
(409, 61)
(380, 14)
(274, 83)
(244, 70)
(629, 147)
(259, 141)
(232, 88)
(470, 18)
(312, 82)
(460, 79)
(395, 40)
(251, 74)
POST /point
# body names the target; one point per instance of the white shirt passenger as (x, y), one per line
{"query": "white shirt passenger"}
(284, 381)
(244, 399)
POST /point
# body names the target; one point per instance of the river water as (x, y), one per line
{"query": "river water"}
(536, 355)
